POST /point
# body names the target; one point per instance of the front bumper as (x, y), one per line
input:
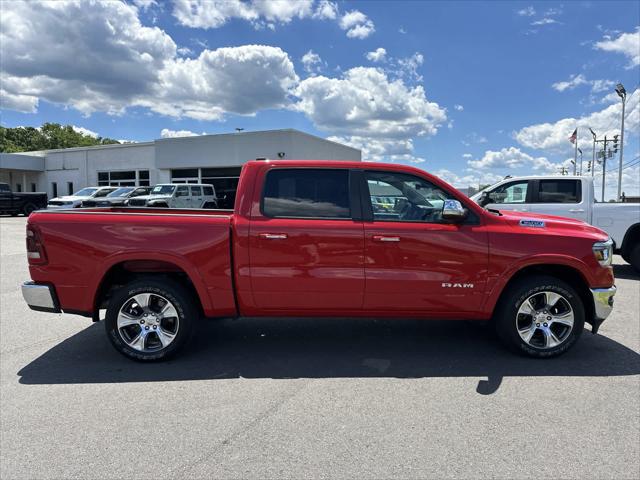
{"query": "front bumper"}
(40, 297)
(603, 304)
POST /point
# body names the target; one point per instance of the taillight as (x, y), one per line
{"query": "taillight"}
(35, 248)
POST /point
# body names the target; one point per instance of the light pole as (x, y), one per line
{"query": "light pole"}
(593, 161)
(622, 93)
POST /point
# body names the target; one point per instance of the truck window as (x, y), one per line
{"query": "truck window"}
(559, 191)
(4, 187)
(399, 197)
(196, 191)
(183, 191)
(514, 192)
(307, 193)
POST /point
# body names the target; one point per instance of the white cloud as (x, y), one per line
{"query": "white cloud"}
(554, 136)
(241, 80)
(598, 86)
(627, 43)
(573, 82)
(527, 12)
(356, 24)
(216, 13)
(144, 4)
(459, 108)
(18, 102)
(168, 133)
(544, 21)
(368, 110)
(312, 62)
(85, 131)
(326, 10)
(472, 178)
(513, 158)
(100, 59)
(365, 102)
(472, 138)
(378, 55)
(467, 155)
(408, 67)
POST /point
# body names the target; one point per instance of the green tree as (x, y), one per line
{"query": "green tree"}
(48, 137)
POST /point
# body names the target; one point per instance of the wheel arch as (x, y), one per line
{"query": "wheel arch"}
(631, 238)
(122, 271)
(566, 273)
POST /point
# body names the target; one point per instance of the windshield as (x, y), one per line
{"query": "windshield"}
(85, 192)
(120, 192)
(163, 190)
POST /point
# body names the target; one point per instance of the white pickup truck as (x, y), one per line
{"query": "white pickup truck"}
(572, 197)
(177, 195)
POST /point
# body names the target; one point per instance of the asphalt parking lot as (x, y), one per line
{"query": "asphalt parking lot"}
(313, 399)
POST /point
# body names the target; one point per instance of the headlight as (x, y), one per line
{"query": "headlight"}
(603, 251)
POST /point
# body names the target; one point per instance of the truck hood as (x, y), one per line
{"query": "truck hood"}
(68, 198)
(152, 197)
(553, 224)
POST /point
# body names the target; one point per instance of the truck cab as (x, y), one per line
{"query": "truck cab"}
(15, 203)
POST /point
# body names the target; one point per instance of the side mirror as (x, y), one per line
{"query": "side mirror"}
(453, 210)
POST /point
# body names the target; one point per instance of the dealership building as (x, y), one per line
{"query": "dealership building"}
(212, 159)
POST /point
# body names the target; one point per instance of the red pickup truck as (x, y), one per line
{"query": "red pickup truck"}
(322, 239)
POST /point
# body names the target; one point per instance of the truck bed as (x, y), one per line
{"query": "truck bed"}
(83, 246)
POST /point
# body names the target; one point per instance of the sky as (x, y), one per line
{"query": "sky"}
(469, 91)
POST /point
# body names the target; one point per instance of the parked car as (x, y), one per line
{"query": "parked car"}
(15, 203)
(572, 197)
(304, 241)
(117, 198)
(178, 195)
(75, 200)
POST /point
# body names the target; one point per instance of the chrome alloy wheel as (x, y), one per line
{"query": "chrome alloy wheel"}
(545, 320)
(148, 322)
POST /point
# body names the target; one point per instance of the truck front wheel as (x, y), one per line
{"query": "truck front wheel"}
(150, 319)
(634, 258)
(540, 316)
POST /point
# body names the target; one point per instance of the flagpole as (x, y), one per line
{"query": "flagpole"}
(575, 156)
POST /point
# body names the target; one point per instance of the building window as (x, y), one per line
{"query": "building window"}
(54, 189)
(185, 175)
(18, 187)
(128, 178)
(69, 188)
(34, 187)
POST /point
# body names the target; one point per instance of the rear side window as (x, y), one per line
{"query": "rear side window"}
(307, 193)
(559, 191)
(183, 191)
(196, 191)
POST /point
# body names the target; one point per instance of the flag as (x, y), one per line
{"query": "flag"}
(574, 136)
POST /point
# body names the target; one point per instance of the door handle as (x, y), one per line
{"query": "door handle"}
(577, 210)
(384, 238)
(273, 236)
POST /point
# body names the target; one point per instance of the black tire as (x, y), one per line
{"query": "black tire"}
(28, 209)
(506, 316)
(634, 257)
(182, 300)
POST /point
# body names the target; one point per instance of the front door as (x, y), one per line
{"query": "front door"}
(182, 197)
(515, 196)
(306, 248)
(416, 262)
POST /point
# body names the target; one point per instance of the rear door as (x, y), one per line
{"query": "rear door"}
(196, 196)
(306, 244)
(182, 198)
(561, 197)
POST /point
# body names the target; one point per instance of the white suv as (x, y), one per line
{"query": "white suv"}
(178, 195)
(75, 200)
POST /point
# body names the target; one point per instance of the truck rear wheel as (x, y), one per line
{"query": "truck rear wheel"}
(28, 209)
(150, 319)
(540, 316)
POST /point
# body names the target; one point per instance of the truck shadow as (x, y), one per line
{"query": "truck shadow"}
(330, 348)
(625, 271)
